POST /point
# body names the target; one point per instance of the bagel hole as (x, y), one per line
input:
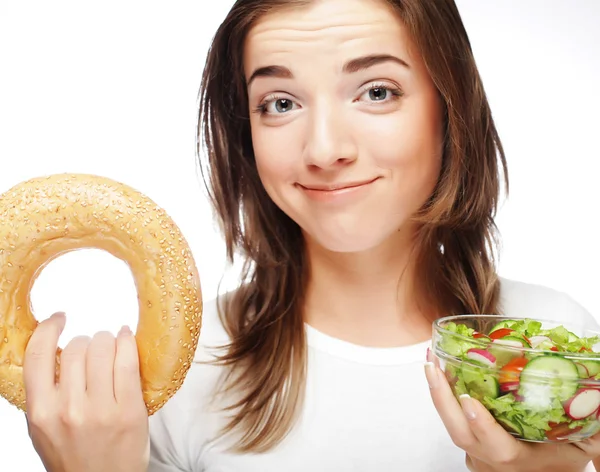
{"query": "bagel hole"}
(95, 289)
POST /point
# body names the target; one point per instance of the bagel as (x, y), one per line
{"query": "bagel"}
(46, 217)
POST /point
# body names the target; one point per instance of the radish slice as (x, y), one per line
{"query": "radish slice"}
(482, 356)
(519, 398)
(509, 387)
(583, 404)
(508, 342)
(537, 340)
(590, 383)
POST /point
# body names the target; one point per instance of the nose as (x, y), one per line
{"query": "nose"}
(329, 139)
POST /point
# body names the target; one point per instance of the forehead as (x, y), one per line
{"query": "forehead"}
(326, 30)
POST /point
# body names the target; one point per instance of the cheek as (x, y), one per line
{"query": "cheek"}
(276, 155)
(268, 152)
(409, 145)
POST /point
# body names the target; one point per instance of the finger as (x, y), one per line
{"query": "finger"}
(100, 366)
(469, 463)
(590, 446)
(503, 447)
(39, 363)
(450, 410)
(28, 425)
(72, 381)
(128, 386)
(476, 465)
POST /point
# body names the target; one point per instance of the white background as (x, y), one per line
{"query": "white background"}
(111, 88)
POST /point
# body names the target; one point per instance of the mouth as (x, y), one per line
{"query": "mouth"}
(337, 187)
(339, 193)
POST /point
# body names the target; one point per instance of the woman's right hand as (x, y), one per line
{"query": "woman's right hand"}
(94, 418)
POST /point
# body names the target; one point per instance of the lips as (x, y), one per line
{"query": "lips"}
(335, 187)
(340, 193)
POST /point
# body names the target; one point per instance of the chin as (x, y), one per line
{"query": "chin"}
(360, 241)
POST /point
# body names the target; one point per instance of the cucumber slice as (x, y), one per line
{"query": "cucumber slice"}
(503, 355)
(583, 372)
(503, 349)
(546, 378)
(480, 384)
(593, 367)
(518, 339)
(486, 386)
(510, 426)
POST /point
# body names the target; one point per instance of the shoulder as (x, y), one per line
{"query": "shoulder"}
(181, 429)
(538, 301)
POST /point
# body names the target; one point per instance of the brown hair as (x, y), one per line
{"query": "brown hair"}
(264, 319)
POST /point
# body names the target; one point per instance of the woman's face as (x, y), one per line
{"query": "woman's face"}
(347, 125)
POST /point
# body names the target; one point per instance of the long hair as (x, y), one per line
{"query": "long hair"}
(266, 355)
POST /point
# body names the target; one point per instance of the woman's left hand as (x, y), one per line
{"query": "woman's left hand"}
(490, 448)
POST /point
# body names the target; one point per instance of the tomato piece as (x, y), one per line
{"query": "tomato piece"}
(560, 432)
(554, 348)
(516, 364)
(507, 387)
(500, 333)
(512, 370)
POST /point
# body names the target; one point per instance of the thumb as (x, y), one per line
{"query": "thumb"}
(39, 363)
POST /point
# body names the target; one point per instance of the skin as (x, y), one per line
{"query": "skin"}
(359, 243)
(320, 127)
(323, 127)
(94, 418)
(490, 448)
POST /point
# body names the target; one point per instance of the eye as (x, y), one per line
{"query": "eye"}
(376, 93)
(276, 106)
(282, 105)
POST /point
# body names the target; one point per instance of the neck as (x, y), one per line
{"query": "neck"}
(367, 298)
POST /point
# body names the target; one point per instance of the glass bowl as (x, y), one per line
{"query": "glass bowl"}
(539, 379)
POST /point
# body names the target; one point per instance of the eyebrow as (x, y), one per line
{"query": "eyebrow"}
(352, 66)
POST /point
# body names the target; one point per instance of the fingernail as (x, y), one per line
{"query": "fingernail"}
(124, 331)
(431, 374)
(61, 318)
(468, 406)
(429, 355)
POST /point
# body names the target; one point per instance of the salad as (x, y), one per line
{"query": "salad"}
(546, 390)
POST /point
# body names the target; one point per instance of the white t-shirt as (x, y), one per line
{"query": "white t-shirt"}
(366, 409)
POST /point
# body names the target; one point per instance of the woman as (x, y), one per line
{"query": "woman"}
(354, 163)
